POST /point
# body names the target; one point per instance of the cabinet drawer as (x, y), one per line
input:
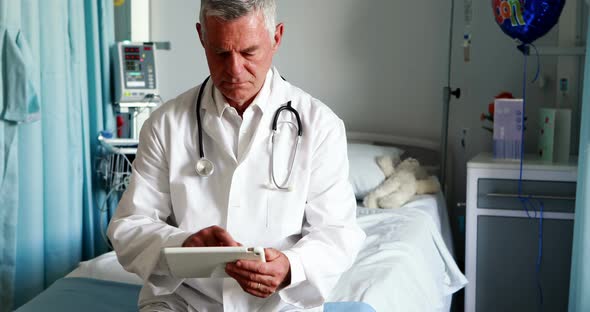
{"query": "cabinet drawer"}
(503, 194)
(507, 250)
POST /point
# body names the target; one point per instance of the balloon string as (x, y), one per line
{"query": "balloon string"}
(525, 49)
(538, 63)
(529, 200)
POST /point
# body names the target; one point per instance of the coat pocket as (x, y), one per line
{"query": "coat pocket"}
(285, 212)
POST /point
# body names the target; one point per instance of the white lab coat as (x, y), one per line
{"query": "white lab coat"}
(166, 201)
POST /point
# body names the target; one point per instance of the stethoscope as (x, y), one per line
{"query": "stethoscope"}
(205, 167)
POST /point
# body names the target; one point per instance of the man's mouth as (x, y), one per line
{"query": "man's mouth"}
(236, 84)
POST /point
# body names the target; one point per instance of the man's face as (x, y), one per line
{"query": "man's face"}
(239, 53)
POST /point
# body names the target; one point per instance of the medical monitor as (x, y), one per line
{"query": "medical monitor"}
(135, 72)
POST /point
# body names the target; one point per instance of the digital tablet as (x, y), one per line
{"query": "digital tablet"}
(203, 262)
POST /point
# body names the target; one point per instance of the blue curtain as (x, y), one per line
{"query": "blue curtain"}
(580, 272)
(48, 197)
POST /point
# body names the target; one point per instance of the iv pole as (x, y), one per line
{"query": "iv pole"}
(446, 102)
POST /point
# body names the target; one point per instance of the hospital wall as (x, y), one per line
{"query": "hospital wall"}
(381, 66)
(496, 66)
(378, 69)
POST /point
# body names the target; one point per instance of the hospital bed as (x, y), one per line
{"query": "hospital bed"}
(405, 264)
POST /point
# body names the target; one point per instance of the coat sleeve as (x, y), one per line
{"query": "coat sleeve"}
(138, 230)
(331, 237)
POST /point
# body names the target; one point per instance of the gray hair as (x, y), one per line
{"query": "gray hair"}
(232, 9)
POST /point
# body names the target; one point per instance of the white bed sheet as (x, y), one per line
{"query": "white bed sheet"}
(434, 205)
(404, 265)
(105, 267)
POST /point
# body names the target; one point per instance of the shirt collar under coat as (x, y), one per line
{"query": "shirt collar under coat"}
(220, 104)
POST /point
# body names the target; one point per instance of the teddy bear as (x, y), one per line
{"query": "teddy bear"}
(403, 180)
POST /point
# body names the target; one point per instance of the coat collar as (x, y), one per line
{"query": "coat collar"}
(275, 92)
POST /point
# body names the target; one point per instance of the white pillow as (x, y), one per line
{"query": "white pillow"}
(365, 174)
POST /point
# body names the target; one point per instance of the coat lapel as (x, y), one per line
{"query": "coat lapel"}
(211, 122)
(262, 131)
(277, 97)
(213, 128)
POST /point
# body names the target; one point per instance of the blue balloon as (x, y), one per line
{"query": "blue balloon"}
(527, 20)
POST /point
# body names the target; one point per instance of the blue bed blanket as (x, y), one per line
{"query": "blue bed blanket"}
(93, 295)
(85, 294)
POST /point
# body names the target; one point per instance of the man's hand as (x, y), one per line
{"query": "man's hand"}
(213, 236)
(262, 279)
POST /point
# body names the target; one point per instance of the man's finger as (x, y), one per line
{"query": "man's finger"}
(194, 241)
(224, 238)
(251, 288)
(266, 280)
(259, 287)
(211, 241)
(258, 293)
(254, 266)
(271, 254)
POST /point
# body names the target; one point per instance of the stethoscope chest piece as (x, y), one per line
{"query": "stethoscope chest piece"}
(204, 167)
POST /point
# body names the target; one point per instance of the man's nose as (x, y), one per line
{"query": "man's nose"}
(235, 64)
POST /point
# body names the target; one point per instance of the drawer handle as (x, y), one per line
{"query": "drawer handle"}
(533, 196)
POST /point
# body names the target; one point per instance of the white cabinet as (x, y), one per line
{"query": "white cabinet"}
(502, 240)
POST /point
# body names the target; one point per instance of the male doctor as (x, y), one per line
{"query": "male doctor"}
(309, 231)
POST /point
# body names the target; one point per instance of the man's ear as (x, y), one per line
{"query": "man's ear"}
(200, 32)
(279, 30)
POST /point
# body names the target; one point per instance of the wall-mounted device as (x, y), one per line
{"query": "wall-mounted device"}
(135, 77)
(136, 86)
